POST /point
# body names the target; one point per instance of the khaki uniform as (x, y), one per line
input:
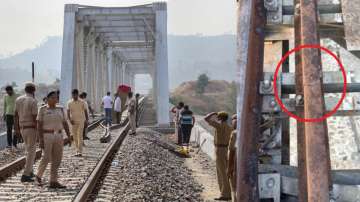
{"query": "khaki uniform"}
(77, 114)
(232, 180)
(26, 107)
(132, 114)
(52, 120)
(221, 141)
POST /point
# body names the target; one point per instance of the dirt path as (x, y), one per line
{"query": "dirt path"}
(204, 172)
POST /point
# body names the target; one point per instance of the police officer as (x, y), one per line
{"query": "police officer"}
(232, 159)
(221, 141)
(51, 125)
(25, 124)
(78, 116)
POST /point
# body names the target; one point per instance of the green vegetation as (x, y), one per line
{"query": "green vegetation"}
(202, 82)
(216, 96)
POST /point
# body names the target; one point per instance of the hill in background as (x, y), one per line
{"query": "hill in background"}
(219, 95)
(47, 58)
(189, 56)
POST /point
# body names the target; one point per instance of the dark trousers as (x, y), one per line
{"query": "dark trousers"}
(108, 114)
(85, 129)
(186, 133)
(118, 117)
(9, 119)
(179, 138)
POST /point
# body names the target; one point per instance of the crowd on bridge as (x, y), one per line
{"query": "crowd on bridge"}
(224, 142)
(46, 125)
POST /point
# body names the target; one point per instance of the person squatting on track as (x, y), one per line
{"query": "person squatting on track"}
(9, 115)
(25, 124)
(177, 110)
(107, 103)
(131, 106)
(231, 172)
(221, 141)
(78, 116)
(51, 122)
(187, 121)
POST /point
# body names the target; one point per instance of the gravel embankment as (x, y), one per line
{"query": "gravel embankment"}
(9, 155)
(144, 171)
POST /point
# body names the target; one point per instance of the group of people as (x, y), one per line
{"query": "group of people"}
(224, 142)
(47, 124)
(184, 122)
(132, 105)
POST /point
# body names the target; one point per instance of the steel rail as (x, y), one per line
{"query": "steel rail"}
(90, 185)
(316, 147)
(251, 18)
(302, 197)
(15, 166)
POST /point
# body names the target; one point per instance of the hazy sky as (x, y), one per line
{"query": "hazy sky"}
(26, 23)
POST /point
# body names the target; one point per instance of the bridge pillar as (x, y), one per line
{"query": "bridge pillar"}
(98, 78)
(122, 70)
(68, 52)
(116, 73)
(161, 58)
(131, 81)
(109, 68)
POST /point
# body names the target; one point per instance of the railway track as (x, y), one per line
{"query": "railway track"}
(14, 161)
(79, 174)
(94, 183)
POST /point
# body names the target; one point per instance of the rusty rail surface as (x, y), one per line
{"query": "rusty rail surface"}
(251, 22)
(302, 197)
(105, 161)
(316, 138)
(15, 166)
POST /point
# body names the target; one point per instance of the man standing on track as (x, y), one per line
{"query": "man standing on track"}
(107, 103)
(117, 108)
(25, 124)
(131, 106)
(221, 141)
(78, 115)
(9, 112)
(51, 123)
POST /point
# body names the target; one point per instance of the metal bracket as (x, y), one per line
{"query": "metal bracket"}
(274, 11)
(270, 186)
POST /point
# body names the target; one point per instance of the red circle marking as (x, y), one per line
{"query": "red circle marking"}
(327, 115)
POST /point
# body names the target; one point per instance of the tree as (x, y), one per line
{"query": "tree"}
(202, 82)
(13, 84)
(232, 97)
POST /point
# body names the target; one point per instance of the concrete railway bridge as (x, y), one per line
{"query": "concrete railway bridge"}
(106, 47)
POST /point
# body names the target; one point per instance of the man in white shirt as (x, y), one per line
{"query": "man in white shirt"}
(117, 108)
(107, 103)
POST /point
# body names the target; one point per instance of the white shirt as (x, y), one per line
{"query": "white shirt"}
(117, 106)
(107, 102)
